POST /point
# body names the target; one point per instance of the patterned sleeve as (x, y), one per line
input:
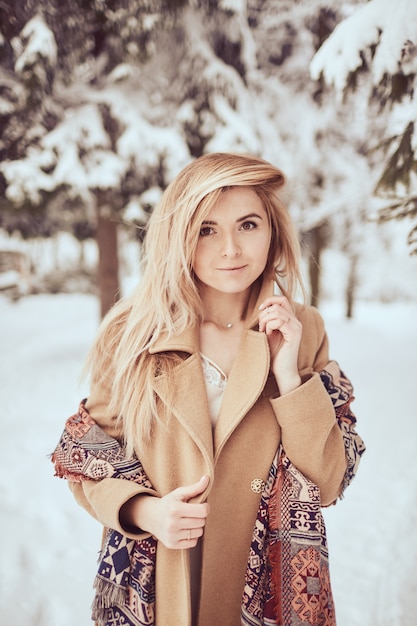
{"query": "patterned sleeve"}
(340, 391)
(86, 452)
(125, 581)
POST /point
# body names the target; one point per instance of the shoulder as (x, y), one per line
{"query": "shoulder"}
(310, 317)
(314, 341)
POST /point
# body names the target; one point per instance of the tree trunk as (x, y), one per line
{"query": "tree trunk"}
(108, 259)
(316, 239)
(81, 254)
(351, 285)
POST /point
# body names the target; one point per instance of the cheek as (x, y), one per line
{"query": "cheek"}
(199, 260)
(265, 246)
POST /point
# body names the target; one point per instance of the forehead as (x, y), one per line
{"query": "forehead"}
(236, 202)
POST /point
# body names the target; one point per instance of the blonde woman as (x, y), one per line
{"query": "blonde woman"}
(216, 426)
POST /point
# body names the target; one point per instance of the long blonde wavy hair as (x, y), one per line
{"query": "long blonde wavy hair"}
(167, 299)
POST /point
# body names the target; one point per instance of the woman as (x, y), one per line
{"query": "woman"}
(216, 426)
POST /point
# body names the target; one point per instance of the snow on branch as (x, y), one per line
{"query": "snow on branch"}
(237, 6)
(390, 27)
(145, 145)
(38, 43)
(78, 153)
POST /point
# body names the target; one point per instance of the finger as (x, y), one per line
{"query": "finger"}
(275, 311)
(196, 512)
(276, 325)
(191, 491)
(195, 526)
(280, 301)
(273, 317)
(264, 317)
(191, 534)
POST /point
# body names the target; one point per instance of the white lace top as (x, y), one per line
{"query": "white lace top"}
(216, 381)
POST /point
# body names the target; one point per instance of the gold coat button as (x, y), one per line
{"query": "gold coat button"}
(257, 485)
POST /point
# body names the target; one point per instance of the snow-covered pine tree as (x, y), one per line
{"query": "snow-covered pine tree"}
(379, 39)
(80, 129)
(138, 91)
(320, 142)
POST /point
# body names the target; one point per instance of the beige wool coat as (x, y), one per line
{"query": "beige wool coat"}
(252, 423)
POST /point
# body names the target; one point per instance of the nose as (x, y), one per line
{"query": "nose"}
(230, 247)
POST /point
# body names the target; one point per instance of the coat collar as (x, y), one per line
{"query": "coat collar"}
(188, 341)
(191, 405)
(245, 384)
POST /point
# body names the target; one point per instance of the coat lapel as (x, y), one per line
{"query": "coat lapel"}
(190, 404)
(244, 386)
(249, 372)
(246, 381)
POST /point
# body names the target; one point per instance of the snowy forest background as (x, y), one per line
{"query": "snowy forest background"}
(102, 102)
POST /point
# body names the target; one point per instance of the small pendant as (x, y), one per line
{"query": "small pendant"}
(229, 325)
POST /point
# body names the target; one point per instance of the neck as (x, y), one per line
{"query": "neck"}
(224, 310)
(221, 323)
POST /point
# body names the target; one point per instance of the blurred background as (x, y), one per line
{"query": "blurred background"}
(102, 102)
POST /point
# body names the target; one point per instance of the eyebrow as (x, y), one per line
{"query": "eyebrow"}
(241, 219)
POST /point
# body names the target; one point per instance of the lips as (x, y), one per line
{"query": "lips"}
(232, 269)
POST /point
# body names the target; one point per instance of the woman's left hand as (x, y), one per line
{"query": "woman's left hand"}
(283, 330)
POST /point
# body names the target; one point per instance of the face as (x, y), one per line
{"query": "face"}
(233, 246)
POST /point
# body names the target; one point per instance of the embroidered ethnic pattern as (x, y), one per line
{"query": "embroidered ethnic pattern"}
(125, 581)
(85, 452)
(340, 391)
(287, 578)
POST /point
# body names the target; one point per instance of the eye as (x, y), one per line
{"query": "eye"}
(248, 225)
(205, 231)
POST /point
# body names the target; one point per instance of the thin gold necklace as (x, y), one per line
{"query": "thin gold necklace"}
(228, 325)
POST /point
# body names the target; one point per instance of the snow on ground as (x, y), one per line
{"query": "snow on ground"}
(49, 545)
(372, 537)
